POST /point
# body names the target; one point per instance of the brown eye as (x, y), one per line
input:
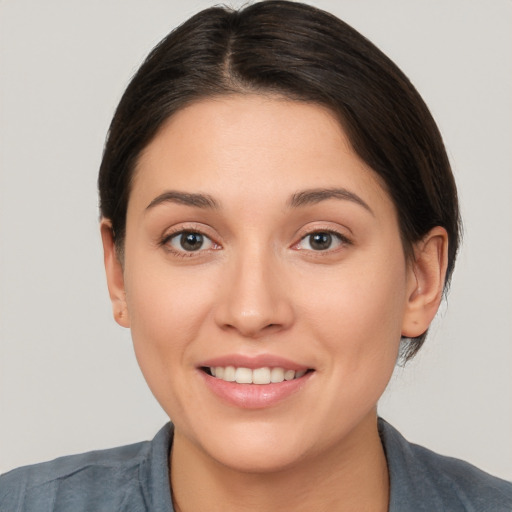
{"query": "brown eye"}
(322, 241)
(189, 241)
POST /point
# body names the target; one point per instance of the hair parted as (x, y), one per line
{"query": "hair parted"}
(302, 53)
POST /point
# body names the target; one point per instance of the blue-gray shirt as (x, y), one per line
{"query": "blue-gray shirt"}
(135, 478)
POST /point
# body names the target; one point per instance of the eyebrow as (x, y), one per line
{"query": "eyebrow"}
(302, 198)
(317, 195)
(173, 196)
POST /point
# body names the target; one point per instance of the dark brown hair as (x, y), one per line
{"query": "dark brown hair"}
(302, 53)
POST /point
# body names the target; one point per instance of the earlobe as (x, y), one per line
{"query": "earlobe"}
(426, 277)
(114, 273)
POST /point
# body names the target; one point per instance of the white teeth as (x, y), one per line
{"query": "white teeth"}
(243, 376)
(263, 375)
(289, 375)
(229, 374)
(276, 375)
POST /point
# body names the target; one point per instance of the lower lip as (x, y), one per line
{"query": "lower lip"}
(254, 396)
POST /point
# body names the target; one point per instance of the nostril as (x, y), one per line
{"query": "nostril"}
(252, 317)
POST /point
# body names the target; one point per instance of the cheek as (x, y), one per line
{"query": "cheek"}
(167, 312)
(357, 311)
(165, 302)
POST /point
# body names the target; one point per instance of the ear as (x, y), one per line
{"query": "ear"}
(115, 275)
(426, 277)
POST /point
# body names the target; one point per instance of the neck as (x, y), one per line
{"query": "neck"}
(352, 477)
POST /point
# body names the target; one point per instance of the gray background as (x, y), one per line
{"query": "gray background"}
(68, 378)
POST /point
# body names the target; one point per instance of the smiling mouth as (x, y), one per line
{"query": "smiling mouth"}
(260, 376)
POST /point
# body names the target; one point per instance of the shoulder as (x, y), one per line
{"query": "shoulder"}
(98, 480)
(436, 482)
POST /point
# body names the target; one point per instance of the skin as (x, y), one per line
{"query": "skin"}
(260, 287)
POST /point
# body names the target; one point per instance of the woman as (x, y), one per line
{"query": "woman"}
(279, 223)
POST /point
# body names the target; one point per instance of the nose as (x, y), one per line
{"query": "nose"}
(255, 299)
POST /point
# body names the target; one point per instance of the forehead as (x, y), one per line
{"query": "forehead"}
(245, 145)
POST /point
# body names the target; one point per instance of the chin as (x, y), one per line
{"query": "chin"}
(254, 448)
(263, 460)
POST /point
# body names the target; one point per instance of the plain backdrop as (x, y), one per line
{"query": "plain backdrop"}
(68, 378)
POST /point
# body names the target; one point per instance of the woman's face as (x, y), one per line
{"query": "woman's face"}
(259, 244)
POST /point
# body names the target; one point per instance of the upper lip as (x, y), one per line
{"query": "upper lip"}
(253, 362)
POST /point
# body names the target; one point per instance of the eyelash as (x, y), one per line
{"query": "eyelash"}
(167, 239)
(342, 240)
